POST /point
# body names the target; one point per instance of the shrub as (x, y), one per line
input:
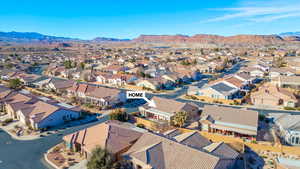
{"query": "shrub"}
(235, 102)
(140, 125)
(254, 141)
(9, 120)
(289, 108)
(261, 117)
(14, 83)
(119, 115)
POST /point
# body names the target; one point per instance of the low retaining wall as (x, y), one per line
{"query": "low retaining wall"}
(221, 101)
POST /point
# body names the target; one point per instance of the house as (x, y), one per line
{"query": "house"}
(284, 71)
(294, 64)
(115, 79)
(235, 82)
(288, 82)
(286, 163)
(59, 85)
(114, 69)
(41, 115)
(111, 136)
(253, 71)
(220, 90)
(246, 78)
(4, 92)
(165, 109)
(25, 78)
(262, 67)
(161, 152)
(192, 139)
(272, 95)
(7, 74)
(229, 121)
(288, 127)
(15, 101)
(38, 112)
(102, 96)
(149, 83)
(96, 95)
(41, 82)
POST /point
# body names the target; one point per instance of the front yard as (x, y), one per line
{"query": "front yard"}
(61, 157)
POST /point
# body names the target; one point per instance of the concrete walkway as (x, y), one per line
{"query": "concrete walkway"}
(81, 165)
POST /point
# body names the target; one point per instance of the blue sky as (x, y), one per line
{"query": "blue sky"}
(87, 19)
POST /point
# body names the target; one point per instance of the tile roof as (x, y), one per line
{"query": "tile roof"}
(222, 88)
(287, 121)
(101, 92)
(42, 110)
(163, 153)
(109, 135)
(193, 139)
(172, 133)
(167, 105)
(269, 89)
(222, 150)
(235, 116)
(235, 81)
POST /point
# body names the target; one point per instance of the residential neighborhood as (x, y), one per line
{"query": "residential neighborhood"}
(150, 84)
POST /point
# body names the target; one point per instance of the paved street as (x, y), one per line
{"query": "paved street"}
(15, 154)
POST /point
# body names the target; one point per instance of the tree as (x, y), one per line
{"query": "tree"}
(119, 115)
(124, 164)
(14, 83)
(69, 64)
(9, 65)
(180, 119)
(100, 159)
(82, 65)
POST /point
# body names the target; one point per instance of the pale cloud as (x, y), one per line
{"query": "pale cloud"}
(261, 12)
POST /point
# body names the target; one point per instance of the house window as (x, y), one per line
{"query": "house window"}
(297, 140)
(293, 140)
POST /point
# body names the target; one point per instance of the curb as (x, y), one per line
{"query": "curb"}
(48, 161)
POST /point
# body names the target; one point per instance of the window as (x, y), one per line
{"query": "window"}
(293, 140)
(297, 140)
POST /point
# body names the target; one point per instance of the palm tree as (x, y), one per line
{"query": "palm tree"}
(101, 159)
(180, 119)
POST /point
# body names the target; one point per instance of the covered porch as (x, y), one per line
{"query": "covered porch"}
(227, 132)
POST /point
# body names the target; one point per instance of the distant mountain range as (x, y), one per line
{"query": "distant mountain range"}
(204, 38)
(290, 34)
(33, 37)
(30, 37)
(103, 39)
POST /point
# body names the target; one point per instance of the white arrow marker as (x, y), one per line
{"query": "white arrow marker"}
(140, 95)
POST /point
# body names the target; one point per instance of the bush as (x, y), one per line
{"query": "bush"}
(254, 142)
(261, 117)
(140, 125)
(14, 83)
(235, 102)
(289, 108)
(119, 115)
(7, 121)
